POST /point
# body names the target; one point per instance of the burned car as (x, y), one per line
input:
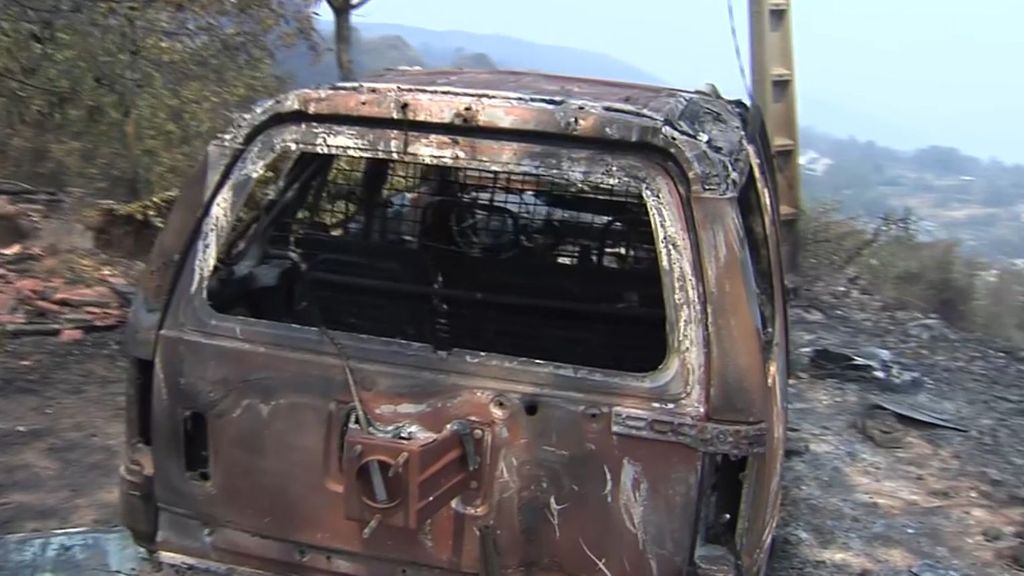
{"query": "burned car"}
(465, 322)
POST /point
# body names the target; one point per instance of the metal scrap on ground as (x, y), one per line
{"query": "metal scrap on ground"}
(916, 412)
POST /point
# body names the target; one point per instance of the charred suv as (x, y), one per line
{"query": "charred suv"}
(465, 322)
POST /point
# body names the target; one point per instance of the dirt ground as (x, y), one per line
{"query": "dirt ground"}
(61, 431)
(944, 503)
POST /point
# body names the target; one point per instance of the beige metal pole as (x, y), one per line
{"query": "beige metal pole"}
(772, 68)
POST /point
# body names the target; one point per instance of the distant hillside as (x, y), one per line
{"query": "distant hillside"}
(380, 46)
(980, 203)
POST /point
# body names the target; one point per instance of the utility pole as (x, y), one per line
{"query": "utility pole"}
(772, 68)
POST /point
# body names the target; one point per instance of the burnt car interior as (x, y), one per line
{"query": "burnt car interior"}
(496, 261)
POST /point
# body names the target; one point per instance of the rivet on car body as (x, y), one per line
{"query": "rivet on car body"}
(499, 407)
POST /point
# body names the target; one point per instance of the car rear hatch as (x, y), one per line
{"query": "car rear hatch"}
(394, 350)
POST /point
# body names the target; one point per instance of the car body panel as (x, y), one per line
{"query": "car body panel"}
(581, 470)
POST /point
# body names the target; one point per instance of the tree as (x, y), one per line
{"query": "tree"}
(342, 10)
(122, 94)
(1002, 305)
(947, 161)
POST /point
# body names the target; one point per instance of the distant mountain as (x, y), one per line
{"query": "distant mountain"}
(438, 47)
(474, 61)
(379, 46)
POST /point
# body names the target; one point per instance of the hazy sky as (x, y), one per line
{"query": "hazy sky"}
(905, 73)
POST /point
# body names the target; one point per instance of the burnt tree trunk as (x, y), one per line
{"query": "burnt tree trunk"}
(342, 10)
(343, 41)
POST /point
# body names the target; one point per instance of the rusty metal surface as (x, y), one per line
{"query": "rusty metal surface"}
(706, 436)
(547, 86)
(762, 493)
(548, 479)
(415, 478)
(571, 470)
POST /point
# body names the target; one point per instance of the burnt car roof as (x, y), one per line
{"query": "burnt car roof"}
(703, 129)
(644, 96)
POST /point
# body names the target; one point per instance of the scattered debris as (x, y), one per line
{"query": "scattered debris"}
(1014, 556)
(873, 365)
(32, 329)
(11, 319)
(928, 328)
(916, 412)
(883, 428)
(72, 551)
(928, 568)
(881, 421)
(71, 335)
(830, 362)
(850, 507)
(44, 306)
(14, 227)
(61, 293)
(51, 281)
(993, 534)
(97, 296)
(808, 314)
(796, 447)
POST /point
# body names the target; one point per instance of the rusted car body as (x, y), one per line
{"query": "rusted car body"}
(465, 322)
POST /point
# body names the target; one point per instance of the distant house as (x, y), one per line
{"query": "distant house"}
(813, 163)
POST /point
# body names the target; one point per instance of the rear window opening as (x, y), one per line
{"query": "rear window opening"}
(490, 261)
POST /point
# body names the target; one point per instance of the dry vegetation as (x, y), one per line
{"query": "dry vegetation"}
(887, 258)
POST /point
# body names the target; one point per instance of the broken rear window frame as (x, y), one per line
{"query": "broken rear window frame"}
(677, 375)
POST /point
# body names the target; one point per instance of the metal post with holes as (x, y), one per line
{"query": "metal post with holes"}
(772, 67)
